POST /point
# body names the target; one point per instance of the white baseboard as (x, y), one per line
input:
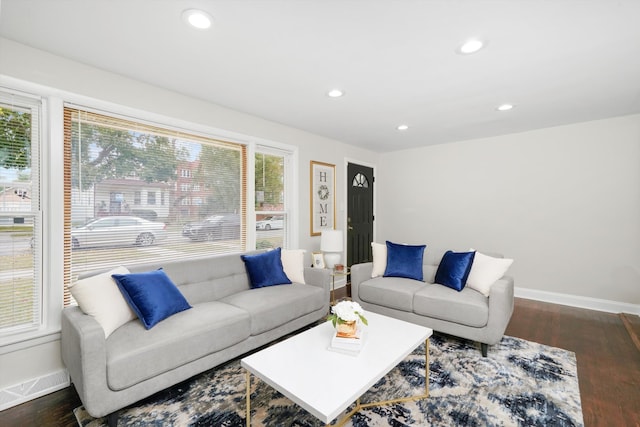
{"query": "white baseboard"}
(34, 388)
(578, 301)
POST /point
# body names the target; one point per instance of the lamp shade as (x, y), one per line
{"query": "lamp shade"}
(331, 241)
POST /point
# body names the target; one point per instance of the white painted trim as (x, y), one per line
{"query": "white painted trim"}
(33, 388)
(24, 341)
(578, 301)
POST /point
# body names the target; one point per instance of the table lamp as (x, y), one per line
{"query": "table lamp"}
(331, 245)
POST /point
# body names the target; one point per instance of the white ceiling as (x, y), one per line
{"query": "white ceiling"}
(560, 61)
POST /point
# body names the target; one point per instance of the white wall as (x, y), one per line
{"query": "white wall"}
(564, 202)
(60, 77)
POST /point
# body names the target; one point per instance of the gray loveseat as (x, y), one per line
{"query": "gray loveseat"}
(227, 319)
(467, 314)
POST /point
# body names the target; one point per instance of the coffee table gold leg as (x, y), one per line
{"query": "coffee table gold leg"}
(351, 413)
(333, 290)
(360, 406)
(248, 376)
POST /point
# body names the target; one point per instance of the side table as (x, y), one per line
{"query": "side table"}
(337, 273)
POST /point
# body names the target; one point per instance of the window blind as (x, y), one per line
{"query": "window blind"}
(139, 192)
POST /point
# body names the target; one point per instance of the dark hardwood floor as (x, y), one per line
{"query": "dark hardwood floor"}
(604, 343)
(607, 356)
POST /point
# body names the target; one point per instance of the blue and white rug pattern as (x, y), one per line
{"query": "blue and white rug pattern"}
(520, 383)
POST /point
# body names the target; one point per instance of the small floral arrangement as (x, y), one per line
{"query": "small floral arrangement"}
(346, 311)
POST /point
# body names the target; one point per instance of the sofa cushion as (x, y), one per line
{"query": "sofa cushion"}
(454, 269)
(379, 252)
(485, 271)
(392, 292)
(135, 354)
(293, 264)
(204, 279)
(404, 261)
(152, 295)
(265, 269)
(100, 297)
(429, 272)
(467, 307)
(274, 306)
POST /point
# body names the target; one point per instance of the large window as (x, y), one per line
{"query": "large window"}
(20, 218)
(141, 193)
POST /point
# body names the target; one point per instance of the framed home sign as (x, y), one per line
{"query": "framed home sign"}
(323, 197)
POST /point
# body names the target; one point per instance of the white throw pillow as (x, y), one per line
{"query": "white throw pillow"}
(485, 270)
(379, 259)
(100, 297)
(293, 264)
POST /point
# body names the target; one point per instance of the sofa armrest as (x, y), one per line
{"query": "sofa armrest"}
(359, 273)
(318, 277)
(500, 308)
(84, 353)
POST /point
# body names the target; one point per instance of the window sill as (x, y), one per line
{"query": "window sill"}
(14, 343)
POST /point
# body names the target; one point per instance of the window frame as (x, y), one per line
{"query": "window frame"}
(52, 190)
(48, 329)
(35, 105)
(290, 237)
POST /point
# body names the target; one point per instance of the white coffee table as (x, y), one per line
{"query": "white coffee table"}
(325, 382)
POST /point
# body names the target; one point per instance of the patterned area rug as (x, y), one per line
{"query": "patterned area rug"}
(520, 383)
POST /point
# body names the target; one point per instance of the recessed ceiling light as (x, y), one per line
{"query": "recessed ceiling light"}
(197, 18)
(335, 93)
(470, 46)
(505, 107)
(402, 127)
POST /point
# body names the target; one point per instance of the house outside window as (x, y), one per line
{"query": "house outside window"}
(151, 197)
(137, 198)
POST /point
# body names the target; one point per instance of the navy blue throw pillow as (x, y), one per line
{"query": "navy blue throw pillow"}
(152, 295)
(454, 269)
(265, 269)
(404, 261)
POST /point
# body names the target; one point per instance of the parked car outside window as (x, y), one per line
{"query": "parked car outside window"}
(118, 231)
(216, 227)
(270, 223)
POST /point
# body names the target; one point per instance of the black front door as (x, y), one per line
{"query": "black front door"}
(359, 213)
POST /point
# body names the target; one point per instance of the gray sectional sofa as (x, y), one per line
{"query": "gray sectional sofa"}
(227, 319)
(467, 314)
